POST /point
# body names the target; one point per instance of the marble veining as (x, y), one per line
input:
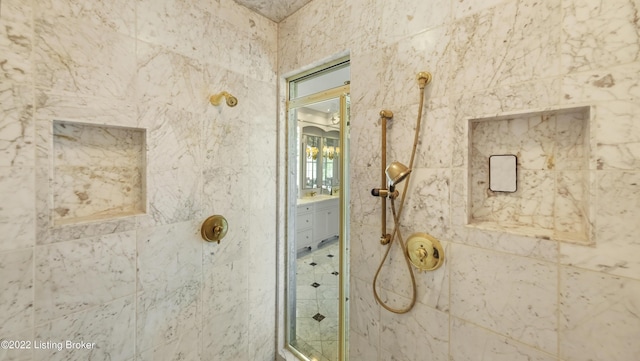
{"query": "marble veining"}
(97, 172)
(16, 301)
(553, 184)
(77, 275)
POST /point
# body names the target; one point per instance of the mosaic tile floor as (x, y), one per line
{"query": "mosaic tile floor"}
(317, 302)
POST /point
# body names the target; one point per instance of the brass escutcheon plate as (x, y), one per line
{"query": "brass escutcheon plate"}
(425, 252)
(214, 228)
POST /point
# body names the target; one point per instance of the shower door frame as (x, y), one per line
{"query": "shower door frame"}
(343, 93)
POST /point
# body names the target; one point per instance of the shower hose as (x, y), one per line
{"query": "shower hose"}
(396, 227)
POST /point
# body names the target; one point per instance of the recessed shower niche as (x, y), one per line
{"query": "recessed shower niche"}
(552, 199)
(98, 172)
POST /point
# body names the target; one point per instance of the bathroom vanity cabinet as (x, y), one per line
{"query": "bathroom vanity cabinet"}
(316, 221)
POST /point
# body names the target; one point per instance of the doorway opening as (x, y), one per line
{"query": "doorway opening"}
(318, 206)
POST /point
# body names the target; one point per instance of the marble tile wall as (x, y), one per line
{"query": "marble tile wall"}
(142, 286)
(500, 296)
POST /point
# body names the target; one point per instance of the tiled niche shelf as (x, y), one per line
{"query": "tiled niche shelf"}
(552, 199)
(98, 172)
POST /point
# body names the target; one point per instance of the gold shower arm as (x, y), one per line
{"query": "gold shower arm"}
(217, 98)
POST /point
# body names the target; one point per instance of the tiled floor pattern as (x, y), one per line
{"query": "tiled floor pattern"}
(317, 302)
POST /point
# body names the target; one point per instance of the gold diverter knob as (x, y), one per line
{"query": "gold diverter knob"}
(214, 228)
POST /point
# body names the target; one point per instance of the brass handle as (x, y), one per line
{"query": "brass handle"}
(214, 228)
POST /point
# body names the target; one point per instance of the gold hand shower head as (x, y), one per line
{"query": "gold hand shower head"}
(230, 99)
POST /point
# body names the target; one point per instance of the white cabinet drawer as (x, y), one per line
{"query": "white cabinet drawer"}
(304, 221)
(304, 239)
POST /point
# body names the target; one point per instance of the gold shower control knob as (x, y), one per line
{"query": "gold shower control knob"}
(214, 228)
(425, 252)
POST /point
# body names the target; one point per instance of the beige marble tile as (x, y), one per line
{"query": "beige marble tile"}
(16, 301)
(598, 34)
(615, 216)
(513, 296)
(168, 257)
(116, 16)
(167, 317)
(16, 125)
(16, 41)
(605, 84)
(362, 348)
(173, 137)
(17, 213)
(74, 57)
(399, 333)
(427, 188)
(17, 354)
(225, 334)
(507, 44)
(617, 134)
(111, 326)
(598, 316)
(77, 275)
(469, 342)
(166, 77)
(400, 20)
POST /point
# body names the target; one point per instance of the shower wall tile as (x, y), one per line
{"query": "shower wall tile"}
(17, 214)
(437, 132)
(365, 34)
(605, 84)
(176, 25)
(518, 245)
(169, 257)
(174, 196)
(617, 134)
(166, 317)
(226, 315)
(77, 275)
(428, 187)
(599, 317)
(16, 300)
(16, 42)
(401, 20)
(72, 57)
(399, 333)
(362, 348)
(17, 354)
(174, 137)
(117, 16)
(472, 343)
(261, 282)
(364, 313)
(464, 8)
(364, 141)
(616, 217)
(394, 282)
(597, 35)
(170, 78)
(508, 44)
(328, 37)
(16, 125)
(184, 347)
(365, 250)
(513, 296)
(111, 326)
